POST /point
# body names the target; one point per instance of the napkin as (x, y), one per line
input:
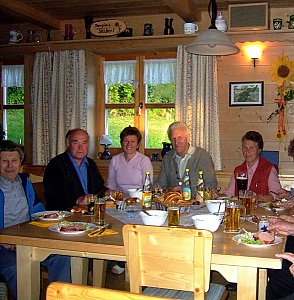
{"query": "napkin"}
(43, 224)
(106, 232)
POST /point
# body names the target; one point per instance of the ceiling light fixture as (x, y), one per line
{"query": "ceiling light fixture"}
(212, 41)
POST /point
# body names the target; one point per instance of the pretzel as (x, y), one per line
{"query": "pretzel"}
(173, 197)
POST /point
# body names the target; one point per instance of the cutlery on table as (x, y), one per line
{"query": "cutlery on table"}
(99, 230)
(146, 212)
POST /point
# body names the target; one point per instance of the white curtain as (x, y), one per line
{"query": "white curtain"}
(197, 100)
(119, 72)
(158, 71)
(59, 101)
(12, 75)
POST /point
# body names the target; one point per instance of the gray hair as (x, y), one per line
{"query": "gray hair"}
(176, 125)
(10, 146)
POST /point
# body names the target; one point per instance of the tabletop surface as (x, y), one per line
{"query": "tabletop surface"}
(224, 248)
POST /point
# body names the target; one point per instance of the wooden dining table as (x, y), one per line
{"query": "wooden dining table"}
(238, 263)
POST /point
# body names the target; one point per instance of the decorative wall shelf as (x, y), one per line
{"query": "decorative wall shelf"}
(138, 44)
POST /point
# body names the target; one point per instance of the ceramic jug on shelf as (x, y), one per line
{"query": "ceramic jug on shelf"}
(166, 147)
(220, 23)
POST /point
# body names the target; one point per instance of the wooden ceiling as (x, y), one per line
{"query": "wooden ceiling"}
(50, 13)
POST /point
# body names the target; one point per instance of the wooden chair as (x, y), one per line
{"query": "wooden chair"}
(164, 259)
(68, 291)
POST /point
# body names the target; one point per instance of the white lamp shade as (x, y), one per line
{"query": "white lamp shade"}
(212, 42)
(105, 140)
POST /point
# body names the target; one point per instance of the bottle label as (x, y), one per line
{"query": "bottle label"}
(186, 193)
(147, 200)
(200, 196)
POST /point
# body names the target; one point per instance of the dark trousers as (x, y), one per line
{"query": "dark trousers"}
(281, 282)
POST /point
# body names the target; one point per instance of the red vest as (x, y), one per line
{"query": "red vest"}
(259, 182)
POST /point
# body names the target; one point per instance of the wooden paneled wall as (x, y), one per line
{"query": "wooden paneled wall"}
(236, 121)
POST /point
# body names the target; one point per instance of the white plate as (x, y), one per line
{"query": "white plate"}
(55, 228)
(266, 206)
(237, 238)
(40, 215)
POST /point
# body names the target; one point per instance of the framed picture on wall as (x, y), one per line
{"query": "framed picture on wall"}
(246, 93)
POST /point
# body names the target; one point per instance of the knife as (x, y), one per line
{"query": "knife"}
(98, 231)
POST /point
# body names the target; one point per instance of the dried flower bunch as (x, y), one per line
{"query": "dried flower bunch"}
(282, 72)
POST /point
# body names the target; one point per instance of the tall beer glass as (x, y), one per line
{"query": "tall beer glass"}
(232, 216)
(242, 181)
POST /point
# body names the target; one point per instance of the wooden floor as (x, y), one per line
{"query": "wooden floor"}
(118, 282)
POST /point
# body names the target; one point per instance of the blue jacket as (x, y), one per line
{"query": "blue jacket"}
(35, 205)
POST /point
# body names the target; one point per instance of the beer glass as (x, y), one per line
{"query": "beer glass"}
(99, 212)
(232, 216)
(246, 200)
(242, 181)
(173, 216)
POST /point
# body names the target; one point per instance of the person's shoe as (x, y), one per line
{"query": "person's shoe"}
(117, 270)
(231, 287)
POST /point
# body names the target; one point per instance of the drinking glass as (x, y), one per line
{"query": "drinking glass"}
(246, 200)
(99, 212)
(242, 181)
(232, 216)
(173, 216)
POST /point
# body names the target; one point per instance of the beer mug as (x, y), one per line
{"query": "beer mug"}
(99, 212)
(15, 36)
(232, 215)
(246, 200)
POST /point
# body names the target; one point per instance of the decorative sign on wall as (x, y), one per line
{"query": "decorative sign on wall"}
(107, 27)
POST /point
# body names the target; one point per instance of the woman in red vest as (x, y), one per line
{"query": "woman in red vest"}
(262, 175)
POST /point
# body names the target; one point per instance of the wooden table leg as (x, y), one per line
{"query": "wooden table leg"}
(28, 274)
(99, 272)
(262, 282)
(247, 283)
(79, 270)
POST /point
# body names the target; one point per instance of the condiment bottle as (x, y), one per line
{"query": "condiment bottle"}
(186, 187)
(200, 188)
(168, 30)
(147, 192)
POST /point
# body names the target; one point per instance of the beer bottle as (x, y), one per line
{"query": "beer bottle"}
(147, 192)
(200, 188)
(186, 187)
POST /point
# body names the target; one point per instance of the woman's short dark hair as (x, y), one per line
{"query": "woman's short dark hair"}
(131, 131)
(291, 148)
(255, 137)
(10, 146)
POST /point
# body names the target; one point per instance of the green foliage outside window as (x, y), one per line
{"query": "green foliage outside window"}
(15, 117)
(157, 121)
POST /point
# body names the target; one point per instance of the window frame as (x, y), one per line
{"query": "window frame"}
(139, 97)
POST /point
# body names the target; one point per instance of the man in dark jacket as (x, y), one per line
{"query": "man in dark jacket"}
(70, 176)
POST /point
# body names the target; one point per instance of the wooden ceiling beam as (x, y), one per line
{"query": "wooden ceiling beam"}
(31, 14)
(184, 9)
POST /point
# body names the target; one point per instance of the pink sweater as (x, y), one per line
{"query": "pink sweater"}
(125, 175)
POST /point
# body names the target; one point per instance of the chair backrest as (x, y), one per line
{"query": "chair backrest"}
(68, 291)
(171, 258)
(271, 156)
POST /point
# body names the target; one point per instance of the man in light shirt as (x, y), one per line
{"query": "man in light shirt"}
(182, 156)
(17, 204)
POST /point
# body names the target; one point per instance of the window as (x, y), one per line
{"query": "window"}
(140, 93)
(12, 107)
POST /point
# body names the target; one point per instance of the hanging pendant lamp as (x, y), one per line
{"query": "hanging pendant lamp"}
(212, 41)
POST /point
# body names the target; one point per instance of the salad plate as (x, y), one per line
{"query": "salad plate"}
(66, 227)
(244, 239)
(50, 215)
